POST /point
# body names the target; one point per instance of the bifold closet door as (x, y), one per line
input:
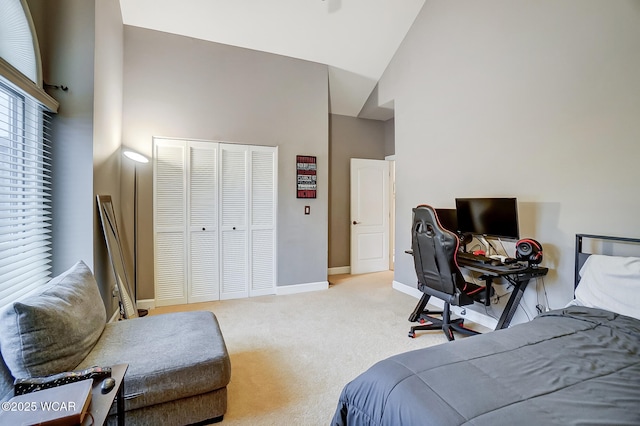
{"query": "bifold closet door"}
(263, 171)
(170, 219)
(233, 221)
(214, 221)
(203, 283)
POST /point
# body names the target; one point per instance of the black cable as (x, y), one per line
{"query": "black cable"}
(546, 296)
(540, 307)
(486, 311)
(491, 245)
(504, 250)
(500, 296)
(92, 419)
(520, 305)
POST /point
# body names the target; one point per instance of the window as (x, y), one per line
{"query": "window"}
(25, 194)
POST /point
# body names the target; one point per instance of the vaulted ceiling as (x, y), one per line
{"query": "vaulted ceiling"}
(355, 38)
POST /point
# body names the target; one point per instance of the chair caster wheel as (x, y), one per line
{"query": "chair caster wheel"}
(412, 334)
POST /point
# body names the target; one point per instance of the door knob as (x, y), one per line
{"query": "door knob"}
(355, 222)
(234, 228)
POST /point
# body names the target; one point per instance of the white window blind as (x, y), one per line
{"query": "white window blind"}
(16, 40)
(25, 203)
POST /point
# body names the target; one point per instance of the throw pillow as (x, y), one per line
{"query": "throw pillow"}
(55, 328)
(611, 283)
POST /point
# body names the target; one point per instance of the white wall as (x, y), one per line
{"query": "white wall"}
(538, 100)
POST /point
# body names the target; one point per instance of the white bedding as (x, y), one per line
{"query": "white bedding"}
(611, 283)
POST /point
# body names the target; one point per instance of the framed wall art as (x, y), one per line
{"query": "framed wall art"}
(307, 180)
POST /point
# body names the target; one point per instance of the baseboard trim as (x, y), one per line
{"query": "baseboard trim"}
(146, 304)
(339, 270)
(115, 316)
(470, 314)
(406, 289)
(302, 288)
(287, 289)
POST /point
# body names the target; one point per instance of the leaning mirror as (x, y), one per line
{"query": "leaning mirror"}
(112, 238)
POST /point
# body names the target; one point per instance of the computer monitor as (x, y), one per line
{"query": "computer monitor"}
(490, 217)
(448, 219)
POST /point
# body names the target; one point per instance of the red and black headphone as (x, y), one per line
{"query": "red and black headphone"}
(530, 250)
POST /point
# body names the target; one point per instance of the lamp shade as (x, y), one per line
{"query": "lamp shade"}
(137, 157)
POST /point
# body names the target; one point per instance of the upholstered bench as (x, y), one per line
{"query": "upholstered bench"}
(179, 367)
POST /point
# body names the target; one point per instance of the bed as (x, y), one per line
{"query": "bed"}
(576, 365)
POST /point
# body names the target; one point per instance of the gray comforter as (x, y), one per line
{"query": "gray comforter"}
(566, 367)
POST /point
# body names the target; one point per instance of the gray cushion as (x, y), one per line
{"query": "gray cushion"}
(6, 382)
(53, 329)
(170, 356)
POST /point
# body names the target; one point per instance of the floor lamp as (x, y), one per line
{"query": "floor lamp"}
(137, 158)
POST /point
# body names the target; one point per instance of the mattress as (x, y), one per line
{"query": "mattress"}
(576, 365)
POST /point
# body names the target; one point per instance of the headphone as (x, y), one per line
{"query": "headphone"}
(530, 250)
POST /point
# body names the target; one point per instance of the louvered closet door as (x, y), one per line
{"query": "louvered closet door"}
(204, 282)
(233, 221)
(263, 161)
(169, 199)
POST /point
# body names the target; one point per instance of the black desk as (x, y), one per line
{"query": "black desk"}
(519, 277)
(516, 274)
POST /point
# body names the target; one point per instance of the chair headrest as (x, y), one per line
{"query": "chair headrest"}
(425, 214)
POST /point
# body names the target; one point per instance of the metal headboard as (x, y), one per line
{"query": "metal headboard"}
(581, 256)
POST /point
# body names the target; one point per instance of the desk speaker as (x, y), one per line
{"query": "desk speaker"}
(529, 250)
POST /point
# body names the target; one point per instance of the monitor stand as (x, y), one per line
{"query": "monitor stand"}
(487, 247)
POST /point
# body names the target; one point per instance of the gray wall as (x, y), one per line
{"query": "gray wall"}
(107, 129)
(538, 100)
(350, 137)
(81, 47)
(389, 137)
(181, 87)
(67, 59)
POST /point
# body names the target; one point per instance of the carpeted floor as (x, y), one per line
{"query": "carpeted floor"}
(291, 355)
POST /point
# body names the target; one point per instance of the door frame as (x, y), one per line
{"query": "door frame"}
(379, 263)
(392, 210)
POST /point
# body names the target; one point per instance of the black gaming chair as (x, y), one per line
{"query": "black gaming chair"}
(434, 255)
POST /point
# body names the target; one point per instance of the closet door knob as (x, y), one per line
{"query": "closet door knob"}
(203, 229)
(234, 228)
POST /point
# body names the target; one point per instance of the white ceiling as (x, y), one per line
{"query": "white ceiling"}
(355, 38)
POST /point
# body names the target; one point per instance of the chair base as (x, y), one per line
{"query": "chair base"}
(448, 329)
(430, 322)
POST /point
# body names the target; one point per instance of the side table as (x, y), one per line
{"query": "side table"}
(101, 402)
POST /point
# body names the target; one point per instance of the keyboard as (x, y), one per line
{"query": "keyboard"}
(475, 257)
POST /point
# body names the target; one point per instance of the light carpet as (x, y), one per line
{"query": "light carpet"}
(291, 355)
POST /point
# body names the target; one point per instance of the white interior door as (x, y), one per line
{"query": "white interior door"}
(369, 215)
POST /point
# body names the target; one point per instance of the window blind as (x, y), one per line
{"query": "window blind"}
(25, 194)
(16, 40)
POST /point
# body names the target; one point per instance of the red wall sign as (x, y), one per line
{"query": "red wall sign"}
(306, 168)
